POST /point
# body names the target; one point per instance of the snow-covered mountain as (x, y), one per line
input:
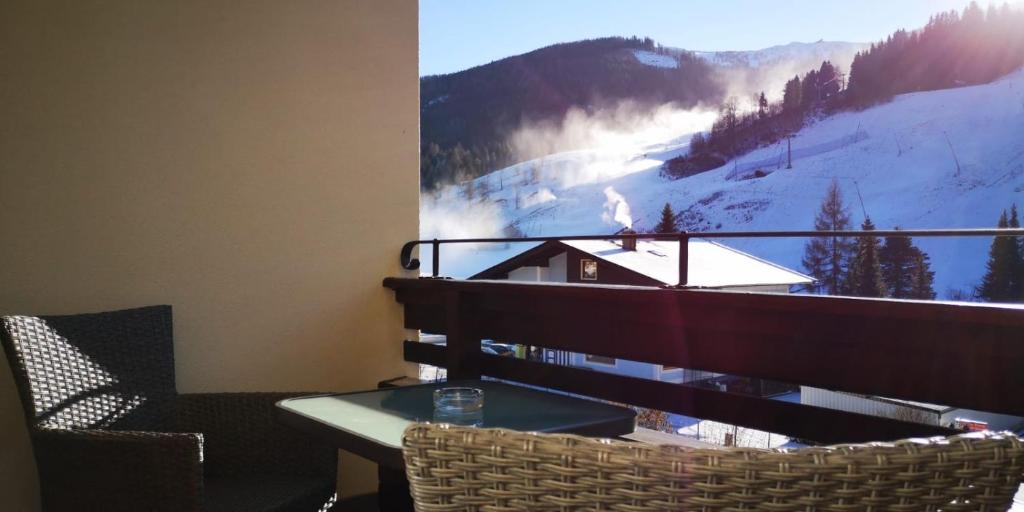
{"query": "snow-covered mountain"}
(768, 69)
(481, 108)
(948, 158)
(467, 118)
(786, 54)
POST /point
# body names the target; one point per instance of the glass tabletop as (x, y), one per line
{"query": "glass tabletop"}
(382, 415)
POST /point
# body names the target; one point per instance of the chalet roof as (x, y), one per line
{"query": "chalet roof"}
(711, 264)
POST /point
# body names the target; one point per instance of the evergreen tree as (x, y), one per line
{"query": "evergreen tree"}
(728, 116)
(1017, 277)
(988, 45)
(906, 269)
(896, 259)
(922, 277)
(809, 94)
(698, 143)
(828, 80)
(826, 258)
(762, 106)
(865, 275)
(1003, 259)
(791, 96)
(857, 90)
(667, 224)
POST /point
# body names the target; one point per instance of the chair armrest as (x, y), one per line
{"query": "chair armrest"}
(243, 436)
(119, 470)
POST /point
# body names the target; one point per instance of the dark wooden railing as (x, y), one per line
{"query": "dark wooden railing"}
(683, 238)
(956, 354)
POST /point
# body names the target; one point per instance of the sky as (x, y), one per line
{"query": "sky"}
(460, 34)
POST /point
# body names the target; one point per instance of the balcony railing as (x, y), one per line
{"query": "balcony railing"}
(958, 354)
(683, 237)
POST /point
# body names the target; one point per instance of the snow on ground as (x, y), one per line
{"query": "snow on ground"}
(894, 162)
(656, 59)
(715, 432)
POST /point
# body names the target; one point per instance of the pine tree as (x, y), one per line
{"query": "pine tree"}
(791, 96)
(906, 269)
(922, 277)
(667, 224)
(896, 259)
(1003, 258)
(1017, 275)
(762, 106)
(828, 80)
(826, 258)
(728, 116)
(865, 276)
(698, 143)
(809, 93)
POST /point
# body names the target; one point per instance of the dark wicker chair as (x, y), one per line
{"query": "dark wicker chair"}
(111, 433)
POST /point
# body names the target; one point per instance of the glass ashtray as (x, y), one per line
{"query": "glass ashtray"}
(458, 400)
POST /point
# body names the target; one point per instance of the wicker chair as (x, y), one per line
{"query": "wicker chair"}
(465, 469)
(110, 432)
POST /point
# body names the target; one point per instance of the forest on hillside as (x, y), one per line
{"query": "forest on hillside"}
(466, 117)
(952, 50)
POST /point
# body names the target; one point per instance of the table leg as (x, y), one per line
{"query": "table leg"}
(393, 491)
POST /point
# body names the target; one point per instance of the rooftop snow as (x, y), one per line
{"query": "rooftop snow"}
(710, 265)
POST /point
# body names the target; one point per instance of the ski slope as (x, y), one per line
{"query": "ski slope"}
(894, 162)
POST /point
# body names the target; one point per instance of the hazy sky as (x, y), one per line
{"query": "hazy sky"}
(459, 34)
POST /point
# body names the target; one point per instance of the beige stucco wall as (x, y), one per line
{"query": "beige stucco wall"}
(253, 164)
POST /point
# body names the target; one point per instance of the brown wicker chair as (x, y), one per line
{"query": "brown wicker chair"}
(110, 432)
(465, 469)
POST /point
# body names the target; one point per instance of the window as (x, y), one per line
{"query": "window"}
(588, 270)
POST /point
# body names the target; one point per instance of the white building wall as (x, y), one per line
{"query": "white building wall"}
(865, 405)
(669, 374)
(877, 407)
(621, 367)
(553, 273)
(557, 268)
(528, 274)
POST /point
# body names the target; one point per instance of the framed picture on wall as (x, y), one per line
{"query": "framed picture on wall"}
(588, 270)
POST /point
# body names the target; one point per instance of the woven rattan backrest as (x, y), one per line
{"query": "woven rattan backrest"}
(466, 469)
(96, 370)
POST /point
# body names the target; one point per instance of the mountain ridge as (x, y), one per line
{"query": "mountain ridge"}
(894, 162)
(468, 116)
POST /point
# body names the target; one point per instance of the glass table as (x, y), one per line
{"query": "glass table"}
(370, 423)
